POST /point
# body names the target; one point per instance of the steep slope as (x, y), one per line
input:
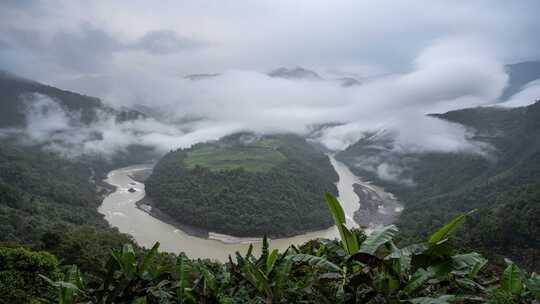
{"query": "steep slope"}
(519, 75)
(503, 185)
(47, 202)
(245, 185)
(38, 114)
(18, 92)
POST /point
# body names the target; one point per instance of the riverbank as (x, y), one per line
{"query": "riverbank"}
(141, 175)
(121, 211)
(146, 204)
(377, 207)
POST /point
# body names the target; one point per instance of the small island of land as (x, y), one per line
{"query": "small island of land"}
(245, 185)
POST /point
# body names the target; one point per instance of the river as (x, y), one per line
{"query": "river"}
(120, 211)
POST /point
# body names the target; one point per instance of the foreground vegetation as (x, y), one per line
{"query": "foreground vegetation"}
(245, 185)
(357, 269)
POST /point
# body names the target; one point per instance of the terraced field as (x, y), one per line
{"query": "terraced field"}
(260, 156)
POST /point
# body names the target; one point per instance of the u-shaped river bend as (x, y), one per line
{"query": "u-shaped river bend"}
(121, 211)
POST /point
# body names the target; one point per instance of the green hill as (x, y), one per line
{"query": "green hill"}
(503, 186)
(259, 156)
(14, 88)
(245, 185)
(50, 203)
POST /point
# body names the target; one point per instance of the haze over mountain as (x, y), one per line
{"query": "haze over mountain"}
(520, 75)
(294, 73)
(502, 181)
(437, 68)
(20, 95)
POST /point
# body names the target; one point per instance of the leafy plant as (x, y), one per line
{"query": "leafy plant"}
(354, 269)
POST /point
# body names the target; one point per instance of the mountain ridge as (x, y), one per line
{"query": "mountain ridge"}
(447, 183)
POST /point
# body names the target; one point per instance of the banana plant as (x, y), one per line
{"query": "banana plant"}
(206, 283)
(351, 273)
(130, 277)
(515, 284)
(348, 238)
(181, 270)
(70, 288)
(269, 274)
(375, 267)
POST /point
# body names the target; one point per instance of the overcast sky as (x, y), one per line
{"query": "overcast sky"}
(57, 40)
(412, 57)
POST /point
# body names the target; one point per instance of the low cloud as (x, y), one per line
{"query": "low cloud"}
(185, 112)
(528, 95)
(393, 173)
(410, 63)
(61, 131)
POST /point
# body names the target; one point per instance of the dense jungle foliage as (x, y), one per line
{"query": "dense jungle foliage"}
(50, 203)
(245, 185)
(357, 269)
(504, 184)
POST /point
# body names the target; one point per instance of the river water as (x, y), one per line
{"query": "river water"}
(120, 211)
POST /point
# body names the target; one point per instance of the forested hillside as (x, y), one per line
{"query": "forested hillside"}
(47, 202)
(245, 185)
(502, 184)
(16, 90)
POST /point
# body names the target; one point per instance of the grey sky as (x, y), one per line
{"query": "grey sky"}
(82, 37)
(413, 57)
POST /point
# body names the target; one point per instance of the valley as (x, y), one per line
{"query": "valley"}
(500, 182)
(269, 152)
(121, 211)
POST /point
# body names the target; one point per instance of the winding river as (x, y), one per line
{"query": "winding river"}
(120, 211)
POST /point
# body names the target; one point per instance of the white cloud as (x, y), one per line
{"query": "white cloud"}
(527, 96)
(428, 56)
(447, 75)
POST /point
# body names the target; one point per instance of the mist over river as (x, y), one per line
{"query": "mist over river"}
(120, 210)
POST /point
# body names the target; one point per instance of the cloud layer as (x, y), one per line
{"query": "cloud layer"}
(412, 59)
(62, 39)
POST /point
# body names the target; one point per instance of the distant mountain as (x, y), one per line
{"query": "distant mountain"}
(504, 187)
(519, 75)
(16, 91)
(18, 97)
(201, 76)
(253, 185)
(349, 81)
(49, 202)
(295, 73)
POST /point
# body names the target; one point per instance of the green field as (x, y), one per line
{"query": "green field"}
(259, 156)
